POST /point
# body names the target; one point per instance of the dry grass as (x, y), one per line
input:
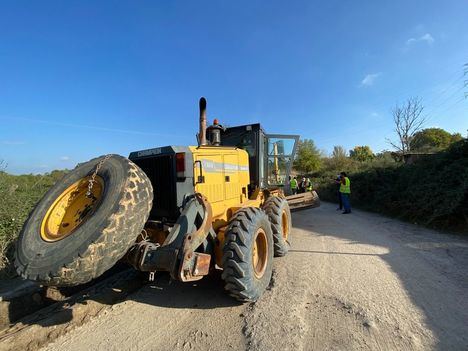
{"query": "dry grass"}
(18, 196)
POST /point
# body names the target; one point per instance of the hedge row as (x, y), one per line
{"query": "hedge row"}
(432, 191)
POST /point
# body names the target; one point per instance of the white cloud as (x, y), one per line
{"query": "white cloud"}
(374, 114)
(427, 38)
(64, 158)
(370, 79)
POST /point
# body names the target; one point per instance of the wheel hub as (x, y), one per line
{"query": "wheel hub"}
(285, 224)
(71, 209)
(260, 253)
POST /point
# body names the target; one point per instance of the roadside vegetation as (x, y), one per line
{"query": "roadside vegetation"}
(423, 180)
(433, 191)
(18, 195)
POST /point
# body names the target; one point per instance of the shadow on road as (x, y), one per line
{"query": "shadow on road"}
(333, 253)
(124, 284)
(431, 266)
(207, 293)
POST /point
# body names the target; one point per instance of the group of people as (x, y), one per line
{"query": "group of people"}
(344, 192)
(300, 187)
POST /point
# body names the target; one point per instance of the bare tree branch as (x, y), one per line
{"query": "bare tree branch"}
(408, 120)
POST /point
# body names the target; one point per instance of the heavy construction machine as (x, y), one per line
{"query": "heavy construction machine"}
(186, 210)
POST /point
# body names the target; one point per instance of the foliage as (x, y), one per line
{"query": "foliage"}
(18, 196)
(337, 161)
(433, 139)
(308, 157)
(361, 153)
(384, 159)
(339, 157)
(432, 191)
(339, 152)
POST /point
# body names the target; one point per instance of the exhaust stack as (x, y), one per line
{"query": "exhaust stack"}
(202, 132)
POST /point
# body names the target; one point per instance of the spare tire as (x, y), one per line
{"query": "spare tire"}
(73, 235)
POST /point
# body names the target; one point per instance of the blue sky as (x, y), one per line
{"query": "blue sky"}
(84, 78)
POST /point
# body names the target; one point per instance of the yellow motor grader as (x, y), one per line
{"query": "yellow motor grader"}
(186, 210)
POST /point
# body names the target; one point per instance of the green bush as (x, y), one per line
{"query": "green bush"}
(18, 196)
(432, 191)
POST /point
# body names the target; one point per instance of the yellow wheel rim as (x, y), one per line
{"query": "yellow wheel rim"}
(285, 224)
(71, 209)
(260, 253)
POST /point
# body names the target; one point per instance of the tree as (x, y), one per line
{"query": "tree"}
(433, 139)
(308, 157)
(408, 121)
(339, 152)
(361, 153)
(3, 166)
(384, 159)
(338, 160)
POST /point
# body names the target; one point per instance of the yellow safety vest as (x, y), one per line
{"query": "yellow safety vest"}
(346, 188)
(293, 183)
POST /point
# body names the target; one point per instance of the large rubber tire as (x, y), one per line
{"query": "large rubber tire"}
(239, 276)
(99, 242)
(277, 208)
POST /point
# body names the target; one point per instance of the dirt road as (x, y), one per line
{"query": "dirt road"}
(358, 281)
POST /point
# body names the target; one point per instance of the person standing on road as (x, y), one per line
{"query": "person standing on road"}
(345, 192)
(340, 200)
(302, 187)
(293, 184)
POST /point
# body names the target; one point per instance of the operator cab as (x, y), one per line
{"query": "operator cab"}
(270, 155)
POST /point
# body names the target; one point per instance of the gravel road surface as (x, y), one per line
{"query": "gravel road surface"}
(350, 282)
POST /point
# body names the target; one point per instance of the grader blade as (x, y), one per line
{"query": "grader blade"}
(308, 199)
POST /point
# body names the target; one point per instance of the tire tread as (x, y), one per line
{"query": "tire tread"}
(273, 207)
(237, 254)
(99, 256)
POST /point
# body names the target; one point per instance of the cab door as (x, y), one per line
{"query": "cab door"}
(279, 156)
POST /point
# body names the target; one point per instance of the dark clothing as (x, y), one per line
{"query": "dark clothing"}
(340, 200)
(346, 203)
(302, 187)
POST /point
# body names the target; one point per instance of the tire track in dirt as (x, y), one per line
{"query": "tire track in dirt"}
(279, 319)
(358, 282)
(277, 313)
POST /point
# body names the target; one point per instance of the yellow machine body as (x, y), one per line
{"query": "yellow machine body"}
(221, 174)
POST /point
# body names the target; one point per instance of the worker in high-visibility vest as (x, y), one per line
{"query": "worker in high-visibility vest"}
(345, 192)
(340, 200)
(308, 185)
(293, 184)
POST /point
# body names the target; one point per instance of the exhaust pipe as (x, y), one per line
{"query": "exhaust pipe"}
(202, 132)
